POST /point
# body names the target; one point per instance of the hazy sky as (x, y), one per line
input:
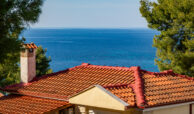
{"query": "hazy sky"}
(91, 14)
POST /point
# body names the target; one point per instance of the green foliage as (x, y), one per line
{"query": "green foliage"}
(175, 43)
(15, 16)
(10, 70)
(42, 62)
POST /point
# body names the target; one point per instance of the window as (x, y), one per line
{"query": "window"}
(91, 112)
(190, 108)
(63, 111)
(69, 110)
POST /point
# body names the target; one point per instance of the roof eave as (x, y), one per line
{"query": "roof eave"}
(167, 106)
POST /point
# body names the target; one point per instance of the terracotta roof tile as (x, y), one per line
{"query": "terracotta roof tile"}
(167, 88)
(124, 92)
(138, 88)
(26, 104)
(147, 89)
(62, 85)
(30, 46)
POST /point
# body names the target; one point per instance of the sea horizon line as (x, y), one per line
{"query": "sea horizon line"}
(83, 28)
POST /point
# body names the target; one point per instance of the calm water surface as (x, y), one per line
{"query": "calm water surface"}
(114, 47)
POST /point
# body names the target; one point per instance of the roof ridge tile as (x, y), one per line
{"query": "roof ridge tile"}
(138, 88)
(142, 84)
(108, 67)
(169, 72)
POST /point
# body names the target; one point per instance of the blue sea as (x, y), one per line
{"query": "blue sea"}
(112, 47)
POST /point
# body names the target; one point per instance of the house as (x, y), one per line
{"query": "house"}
(93, 89)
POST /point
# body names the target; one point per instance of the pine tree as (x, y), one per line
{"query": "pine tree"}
(175, 43)
(10, 70)
(42, 62)
(15, 16)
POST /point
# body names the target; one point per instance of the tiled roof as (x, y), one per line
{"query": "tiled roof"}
(137, 87)
(25, 104)
(62, 85)
(30, 46)
(155, 89)
(167, 88)
(124, 92)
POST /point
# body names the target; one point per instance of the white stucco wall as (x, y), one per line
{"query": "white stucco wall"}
(24, 69)
(184, 109)
(28, 66)
(97, 100)
(95, 97)
(89, 110)
(32, 67)
(94, 110)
